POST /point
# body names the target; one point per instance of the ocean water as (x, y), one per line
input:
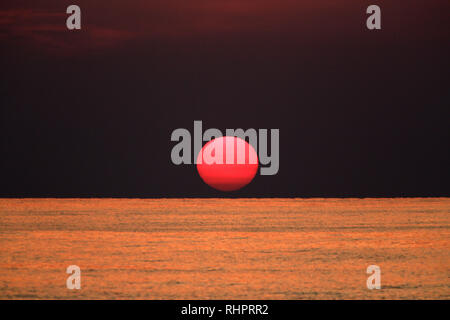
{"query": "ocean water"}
(225, 248)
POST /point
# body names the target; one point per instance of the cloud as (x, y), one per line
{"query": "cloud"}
(111, 23)
(114, 24)
(47, 31)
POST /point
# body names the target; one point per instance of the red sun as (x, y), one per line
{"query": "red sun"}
(227, 163)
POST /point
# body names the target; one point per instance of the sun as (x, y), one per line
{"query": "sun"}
(227, 163)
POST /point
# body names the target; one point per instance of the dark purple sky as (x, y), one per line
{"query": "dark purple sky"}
(90, 112)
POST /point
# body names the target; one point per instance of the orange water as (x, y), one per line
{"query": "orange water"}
(225, 249)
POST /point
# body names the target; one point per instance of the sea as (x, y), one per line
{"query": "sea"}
(319, 248)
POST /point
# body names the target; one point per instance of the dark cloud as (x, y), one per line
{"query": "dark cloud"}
(47, 31)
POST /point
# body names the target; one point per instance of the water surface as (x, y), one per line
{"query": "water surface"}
(225, 248)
